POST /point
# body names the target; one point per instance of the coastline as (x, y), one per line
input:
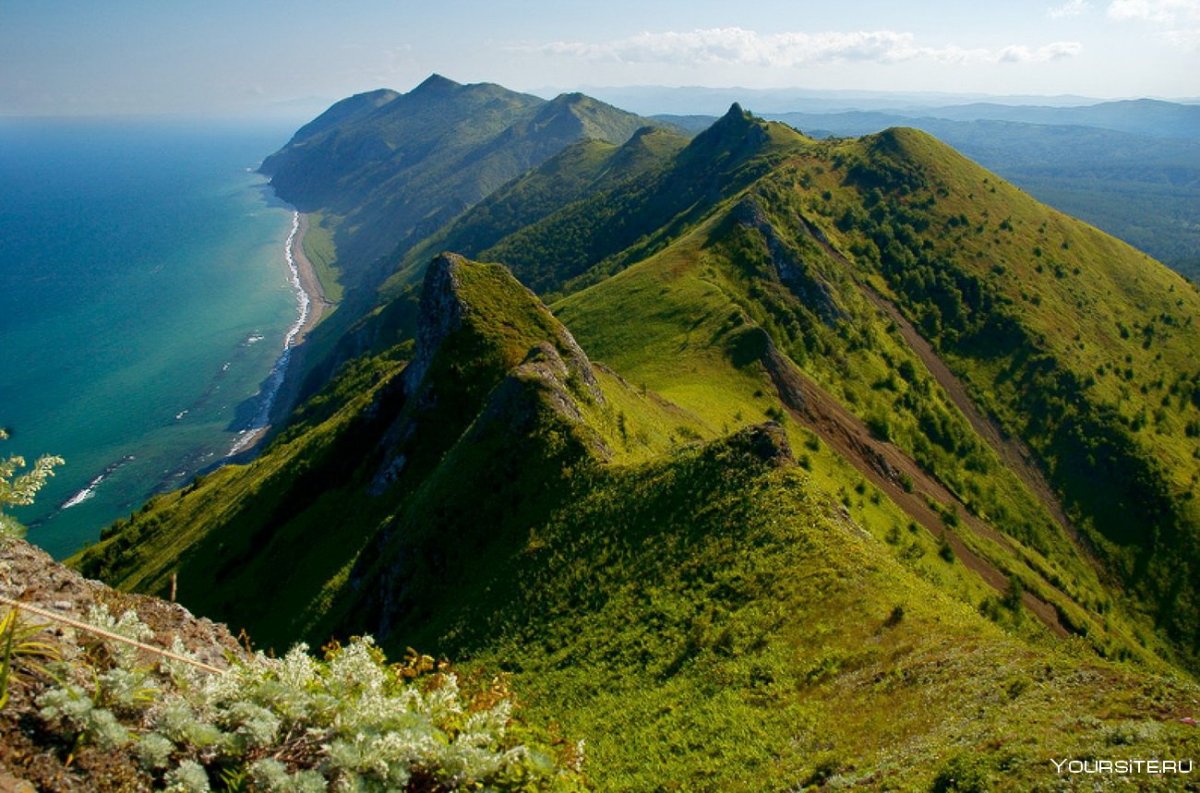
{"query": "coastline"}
(282, 385)
(319, 304)
(311, 285)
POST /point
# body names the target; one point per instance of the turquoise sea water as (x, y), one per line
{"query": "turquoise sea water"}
(144, 297)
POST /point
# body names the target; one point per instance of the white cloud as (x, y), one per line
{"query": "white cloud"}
(738, 46)
(1165, 11)
(1071, 8)
(1187, 38)
(1049, 52)
(1178, 20)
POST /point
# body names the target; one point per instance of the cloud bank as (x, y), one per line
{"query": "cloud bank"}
(738, 46)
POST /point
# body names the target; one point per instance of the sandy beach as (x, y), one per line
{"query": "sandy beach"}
(286, 386)
(289, 390)
(308, 282)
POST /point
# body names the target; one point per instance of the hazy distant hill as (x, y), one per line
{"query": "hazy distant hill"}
(684, 100)
(1149, 117)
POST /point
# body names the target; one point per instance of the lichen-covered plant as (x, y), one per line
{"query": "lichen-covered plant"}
(350, 721)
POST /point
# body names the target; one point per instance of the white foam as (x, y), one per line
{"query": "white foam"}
(275, 379)
(82, 495)
(90, 490)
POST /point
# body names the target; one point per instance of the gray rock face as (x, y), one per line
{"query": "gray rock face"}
(441, 314)
(558, 364)
(793, 271)
(29, 575)
(574, 360)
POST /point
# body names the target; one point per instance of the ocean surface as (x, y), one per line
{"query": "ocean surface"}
(145, 298)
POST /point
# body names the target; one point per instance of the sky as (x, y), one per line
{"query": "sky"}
(225, 57)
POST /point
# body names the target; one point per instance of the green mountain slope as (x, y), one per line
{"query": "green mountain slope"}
(362, 457)
(712, 623)
(703, 613)
(874, 471)
(576, 173)
(1020, 307)
(1142, 189)
(1072, 340)
(383, 171)
(626, 223)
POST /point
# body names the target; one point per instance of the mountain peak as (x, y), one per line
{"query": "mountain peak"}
(573, 98)
(435, 83)
(736, 131)
(735, 121)
(493, 305)
(575, 116)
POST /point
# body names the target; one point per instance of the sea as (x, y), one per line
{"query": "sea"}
(145, 299)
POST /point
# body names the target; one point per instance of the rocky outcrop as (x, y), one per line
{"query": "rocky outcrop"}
(441, 314)
(32, 758)
(465, 307)
(767, 442)
(791, 269)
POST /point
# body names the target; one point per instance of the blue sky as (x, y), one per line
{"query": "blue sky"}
(152, 56)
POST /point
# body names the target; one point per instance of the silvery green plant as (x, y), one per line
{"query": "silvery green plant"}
(348, 722)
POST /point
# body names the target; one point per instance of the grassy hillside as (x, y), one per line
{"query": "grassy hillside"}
(630, 222)
(1071, 339)
(1141, 188)
(712, 622)
(1009, 292)
(386, 171)
(698, 611)
(875, 471)
(574, 174)
(281, 534)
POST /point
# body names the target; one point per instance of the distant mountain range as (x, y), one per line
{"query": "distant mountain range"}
(754, 460)
(655, 99)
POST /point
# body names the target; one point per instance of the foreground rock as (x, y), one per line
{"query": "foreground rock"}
(32, 758)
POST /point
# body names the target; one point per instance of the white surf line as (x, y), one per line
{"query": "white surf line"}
(267, 396)
(82, 495)
(303, 301)
(90, 490)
